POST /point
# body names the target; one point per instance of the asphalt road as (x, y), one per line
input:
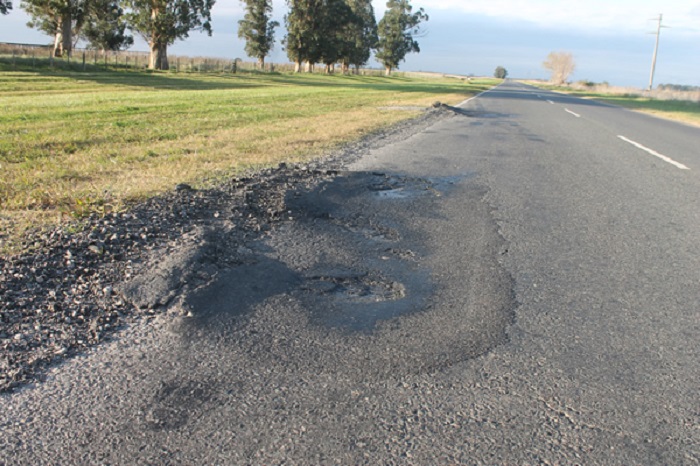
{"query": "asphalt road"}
(516, 284)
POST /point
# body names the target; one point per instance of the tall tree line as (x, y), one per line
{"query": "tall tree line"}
(104, 23)
(318, 31)
(100, 22)
(346, 31)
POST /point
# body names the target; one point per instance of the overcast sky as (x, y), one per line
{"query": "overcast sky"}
(611, 40)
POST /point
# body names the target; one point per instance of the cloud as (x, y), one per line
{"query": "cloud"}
(583, 15)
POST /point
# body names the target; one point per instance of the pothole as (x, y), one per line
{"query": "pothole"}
(356, 287)
(368, 229)
(386, 186)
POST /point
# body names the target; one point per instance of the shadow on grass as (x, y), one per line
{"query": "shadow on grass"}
(222, 81)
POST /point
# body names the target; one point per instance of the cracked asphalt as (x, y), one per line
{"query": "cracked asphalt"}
(508, 285)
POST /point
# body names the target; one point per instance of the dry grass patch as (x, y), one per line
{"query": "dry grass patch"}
(683, 106)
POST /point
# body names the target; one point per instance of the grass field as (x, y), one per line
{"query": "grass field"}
(679, 110)
(75, 143)
(676, 106)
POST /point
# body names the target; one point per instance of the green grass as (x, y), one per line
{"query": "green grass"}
(75, 143)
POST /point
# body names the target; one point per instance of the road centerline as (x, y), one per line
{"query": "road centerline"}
(654, 153)
(573, 113)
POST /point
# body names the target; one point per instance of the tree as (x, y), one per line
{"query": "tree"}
(5, 6)
(360, 36)
(61, 19)
(337, 19)
(561, 65)
(303, 24)
(162, 22)
(257, 29)
(396, 31)
(500, 73)
(105, 26)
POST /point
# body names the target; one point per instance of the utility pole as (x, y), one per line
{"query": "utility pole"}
(656, 51)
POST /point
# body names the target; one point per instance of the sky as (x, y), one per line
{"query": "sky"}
(611, 40)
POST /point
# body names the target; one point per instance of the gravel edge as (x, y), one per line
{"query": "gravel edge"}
(72, 290)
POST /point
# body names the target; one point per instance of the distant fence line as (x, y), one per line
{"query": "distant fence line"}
(35, 56)
(40, 56)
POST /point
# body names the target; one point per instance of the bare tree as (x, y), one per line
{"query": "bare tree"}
(561, 65)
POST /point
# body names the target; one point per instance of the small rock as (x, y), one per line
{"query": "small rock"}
(183, 187)
(96, 249)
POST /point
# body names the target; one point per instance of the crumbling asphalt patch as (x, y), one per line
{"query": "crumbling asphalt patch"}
(72, 290)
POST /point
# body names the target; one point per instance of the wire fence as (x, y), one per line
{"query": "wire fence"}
(40, 56)
(31, 56)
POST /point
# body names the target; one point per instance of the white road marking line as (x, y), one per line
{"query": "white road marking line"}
(480, 94)
(573, 113)
(551, 102)
(654, 153)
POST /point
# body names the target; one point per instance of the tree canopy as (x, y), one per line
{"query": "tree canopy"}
(396, 33)
(304, 26)
(330, 31)
(105, 26)
(162, 22)
(257, 29)
(333, 37)
(561, 65)
(5, 6)
(500, 73)
(360, 35)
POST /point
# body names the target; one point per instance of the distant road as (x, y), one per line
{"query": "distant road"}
(516, 284)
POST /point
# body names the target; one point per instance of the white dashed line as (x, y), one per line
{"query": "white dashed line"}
(573, 113)
(654, 153)
(550, 101)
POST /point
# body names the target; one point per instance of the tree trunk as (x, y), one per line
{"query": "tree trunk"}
(261, 63)
(297, 66)
(58, 44)
(388, 70)
(158, 59)
(67, 33)
(346, 68)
